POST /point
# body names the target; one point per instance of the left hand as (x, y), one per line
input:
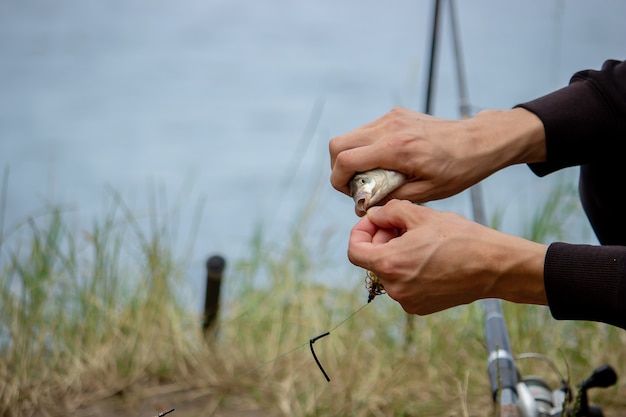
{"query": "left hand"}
(430, 261)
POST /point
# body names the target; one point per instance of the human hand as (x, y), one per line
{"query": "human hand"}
(440, 157)
(430, 261)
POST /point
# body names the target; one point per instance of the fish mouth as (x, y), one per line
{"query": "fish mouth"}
(361, 201)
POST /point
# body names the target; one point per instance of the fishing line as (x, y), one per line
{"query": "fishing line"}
(310, 343)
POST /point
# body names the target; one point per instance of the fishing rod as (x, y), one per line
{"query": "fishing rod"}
(514, 395)
(501, 367)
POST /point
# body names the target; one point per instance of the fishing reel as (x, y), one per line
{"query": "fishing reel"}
(537, 399)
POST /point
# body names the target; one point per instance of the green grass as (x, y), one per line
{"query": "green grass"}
(93, 315)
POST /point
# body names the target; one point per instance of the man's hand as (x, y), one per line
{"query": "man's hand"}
(440, 157)
(430, 260)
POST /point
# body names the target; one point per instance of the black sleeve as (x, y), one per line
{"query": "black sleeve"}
(585, 282)
(584, 122)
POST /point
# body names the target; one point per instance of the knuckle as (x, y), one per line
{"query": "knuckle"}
(393, 204)
(486, 112)
(396, 123)
(342, 158)
(409, 308)
(412, 307)
(355, 259)
(351, 256)
(395, 119)
(334, 145)
(386, 267)
(400, 296)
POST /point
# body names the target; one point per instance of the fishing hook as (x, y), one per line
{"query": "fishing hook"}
(165, 412)
(373, 285)
(315, 356)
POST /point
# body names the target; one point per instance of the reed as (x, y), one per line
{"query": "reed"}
(93, 316)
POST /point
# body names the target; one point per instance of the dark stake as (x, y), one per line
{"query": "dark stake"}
(215, 268)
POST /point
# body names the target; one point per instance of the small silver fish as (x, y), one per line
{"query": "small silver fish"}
(371, 187)
(367, 189)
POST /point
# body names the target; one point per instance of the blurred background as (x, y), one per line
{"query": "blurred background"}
(223, 109)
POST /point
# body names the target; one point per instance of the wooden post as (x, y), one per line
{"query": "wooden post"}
(215, 268)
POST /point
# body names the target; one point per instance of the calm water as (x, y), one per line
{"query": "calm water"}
(211, 101)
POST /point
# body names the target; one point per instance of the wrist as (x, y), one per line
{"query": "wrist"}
(520, 270)
(509, 137)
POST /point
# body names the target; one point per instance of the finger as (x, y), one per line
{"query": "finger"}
(363, 136)
(364, 238)
(352, 152)
(361, 156)
(364, 148)
(379, 235)
(354, 139)
(417, 191)
(358, 212)
(423, 191)
(361, 247)
(364, 248)
(383, 236)
(362, 159)
(363, 231)
(393, 215)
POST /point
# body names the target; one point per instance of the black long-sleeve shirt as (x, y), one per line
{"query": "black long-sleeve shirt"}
(585, 125)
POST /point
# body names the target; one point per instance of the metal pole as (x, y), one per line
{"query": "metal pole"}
(409, 328)
(464, 106)
(433, 57)
(500, 363)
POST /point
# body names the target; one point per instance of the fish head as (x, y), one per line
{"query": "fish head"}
(362, 188)
(371, 187)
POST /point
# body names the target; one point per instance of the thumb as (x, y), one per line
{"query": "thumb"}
(393, 215)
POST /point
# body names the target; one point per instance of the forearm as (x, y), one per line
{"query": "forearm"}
(508, 137)
(519, 267)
